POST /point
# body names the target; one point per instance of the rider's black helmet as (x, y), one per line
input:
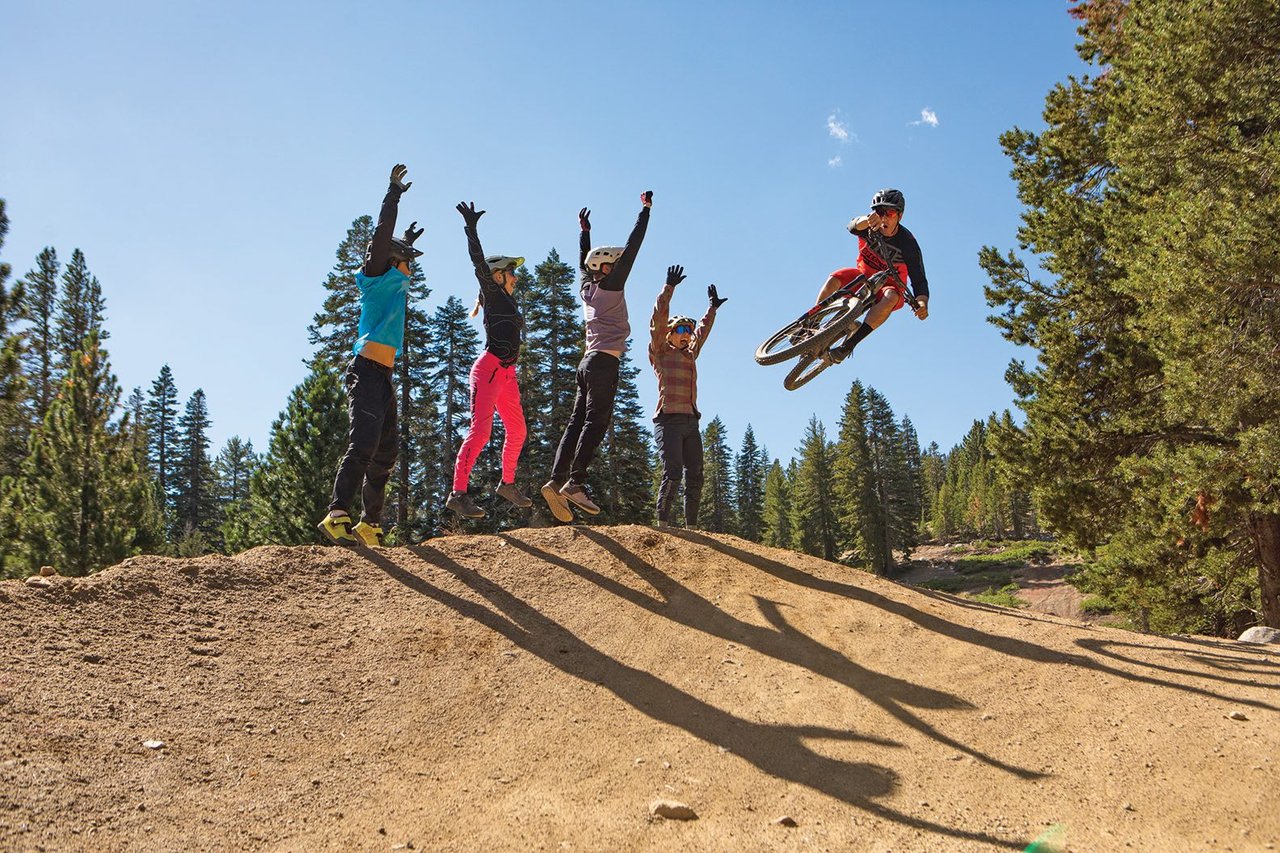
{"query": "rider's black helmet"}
(890, 198)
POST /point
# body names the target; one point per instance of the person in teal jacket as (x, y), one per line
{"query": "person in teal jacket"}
(374, 439)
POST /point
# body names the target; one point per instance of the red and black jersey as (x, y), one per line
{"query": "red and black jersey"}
(908, 260)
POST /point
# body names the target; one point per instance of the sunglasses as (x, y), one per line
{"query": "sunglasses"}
(683, 329)
(885, 211)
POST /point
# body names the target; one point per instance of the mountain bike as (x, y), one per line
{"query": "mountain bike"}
(813, 333)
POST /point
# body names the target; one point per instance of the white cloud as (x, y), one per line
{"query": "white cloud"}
(927, 116)
(837, 128)
(836, 162)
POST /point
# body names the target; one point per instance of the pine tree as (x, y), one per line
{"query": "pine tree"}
(290, 491)
(777, 507)
(893, 488)
(87, 502)
(750, 469)
(448, 370)
(195, 504)
(41, 351)
(859, 514)
(411, 498)
(553, 345)
(914, 475)
(162, 432)
(933, 473)
(80, 310)
(233, 470)
(716, 510)
(334, 328)
(621, 471)
(812, 519)
(14, 390)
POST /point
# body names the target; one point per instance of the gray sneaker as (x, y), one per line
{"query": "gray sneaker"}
(555, 502)
(577, 495)
(509, 492)
(461, 503)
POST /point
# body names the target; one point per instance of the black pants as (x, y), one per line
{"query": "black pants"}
(680, 445)
(592, 411)
(373, 442)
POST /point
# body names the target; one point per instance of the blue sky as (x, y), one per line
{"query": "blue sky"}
(209, 157)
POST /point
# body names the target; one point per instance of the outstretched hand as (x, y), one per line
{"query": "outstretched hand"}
(398, 173)
(646, 198)
(584, 219)
(923, 311)
(469, 213)
(716, 301)
(675, 275)
(410, 235)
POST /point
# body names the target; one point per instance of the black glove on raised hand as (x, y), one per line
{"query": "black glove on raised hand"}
(675, 275)
(469, 213)
(646, 198)
(584, 219)
(410, 235)
(716, 301)
(398, 173)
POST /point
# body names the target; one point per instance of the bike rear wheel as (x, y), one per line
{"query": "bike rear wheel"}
(812, 331)
(807, 368)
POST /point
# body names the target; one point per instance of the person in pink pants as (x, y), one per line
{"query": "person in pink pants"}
(493, 376)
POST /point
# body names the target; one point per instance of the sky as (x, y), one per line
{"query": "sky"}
(209, 157)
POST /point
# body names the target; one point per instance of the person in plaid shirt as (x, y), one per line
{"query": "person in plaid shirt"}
(674, 346)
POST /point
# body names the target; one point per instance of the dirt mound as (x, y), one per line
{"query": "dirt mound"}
(541, 689)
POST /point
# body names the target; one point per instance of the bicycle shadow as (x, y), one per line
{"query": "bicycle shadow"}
(1005, 645)
(778, 750)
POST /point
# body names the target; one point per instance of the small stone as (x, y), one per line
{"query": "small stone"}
(672, 810)
(638, 762)
(90, 657)
(1128, 807)
(394, 681)
(304, 701)
(1238, 715)
(48, 571)
(38, 582)
(153, 744)
(987, 717)
(786, 820)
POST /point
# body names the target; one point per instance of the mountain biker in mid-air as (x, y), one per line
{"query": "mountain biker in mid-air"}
(885, 217)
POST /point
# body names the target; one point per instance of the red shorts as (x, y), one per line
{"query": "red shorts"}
(848, 274)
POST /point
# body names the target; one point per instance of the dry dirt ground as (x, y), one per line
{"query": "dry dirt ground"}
(541, 689)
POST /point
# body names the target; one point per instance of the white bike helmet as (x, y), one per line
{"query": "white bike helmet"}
(603, 255)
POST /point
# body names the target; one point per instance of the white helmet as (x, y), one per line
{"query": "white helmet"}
(603, 255)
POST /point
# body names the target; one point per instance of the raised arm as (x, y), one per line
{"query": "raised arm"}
(471, 216)
(584, 238)
(617, 279)
(708, 320)
(662, 309)
(378, 260)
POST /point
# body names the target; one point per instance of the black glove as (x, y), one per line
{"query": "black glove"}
(646, 198)
(410, 235)
(716, 301)
(469, 213)
(584, 219)
(398, 173)
(675, 275)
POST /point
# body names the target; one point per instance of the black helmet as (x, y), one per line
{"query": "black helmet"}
(890, 198)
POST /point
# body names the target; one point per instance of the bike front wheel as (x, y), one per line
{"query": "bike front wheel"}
(812, 331)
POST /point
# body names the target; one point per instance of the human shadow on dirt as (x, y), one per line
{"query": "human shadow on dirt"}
(1108, 648)
(779, 750)
(1005, 645)
(781, 641)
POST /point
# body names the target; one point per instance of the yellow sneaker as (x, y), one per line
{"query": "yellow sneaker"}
(369, 534)
(337, 529)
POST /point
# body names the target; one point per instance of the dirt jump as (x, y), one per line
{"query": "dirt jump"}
(603, 688)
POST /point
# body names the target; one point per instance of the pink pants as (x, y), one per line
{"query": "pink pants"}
(493, 388)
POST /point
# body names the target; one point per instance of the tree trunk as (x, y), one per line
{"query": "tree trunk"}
(1265, 530)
